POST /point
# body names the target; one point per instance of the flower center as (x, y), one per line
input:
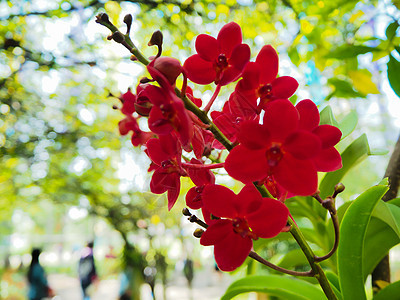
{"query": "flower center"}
(240, 226)
(274, 155)
(265, 92)
(222, 62)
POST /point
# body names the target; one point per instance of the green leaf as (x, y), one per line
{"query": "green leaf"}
(348, 123)
(334, 280)
(326, 117)
(391, 30)
(288, 288)
(379, 240)
(392, 291)
(353, 230)
(393, 71)
(349, 51)
(357, 151)
(343, 88)
(390, 214)
(293, 258)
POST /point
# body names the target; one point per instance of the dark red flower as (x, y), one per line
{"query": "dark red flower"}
(219, 60)
(139, 137)
(329, 158)
(128, 102)
(170, 67)
(165, 153)
(201, 178)
(244, 217)
(259, 79)
(279, 148)
(168, 112)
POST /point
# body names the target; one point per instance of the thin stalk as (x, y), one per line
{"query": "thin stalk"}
(315, 266)
(214, 96)
(203, 167)
(335, 222)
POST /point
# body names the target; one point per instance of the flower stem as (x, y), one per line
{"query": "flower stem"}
(315, 266)
(203, 167)
(214, 96)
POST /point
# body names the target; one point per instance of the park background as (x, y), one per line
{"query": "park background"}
(67, 176)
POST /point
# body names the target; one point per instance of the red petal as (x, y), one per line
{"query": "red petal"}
(269, 219)
(329, 160)
(194, 199)
(229, 75)
(207, 47)
(243, 104)
(251, 77)
(200, 176)
(240, 56)
(247, 165)
(281, 119)
(232, 251)
(284, 87)
(268, 61)
(216, 232)
(219, 201)
(173, 190)
(248, 195)
(309, 114)
(158, 123)
(329, 135)
(303, 144)
(199, 70)
(229, 37)
(253, 135)
(157, 185)
(297, 176)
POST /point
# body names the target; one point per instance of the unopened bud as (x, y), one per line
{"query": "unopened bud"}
(156, 39)
(115, 107)
(338, 189)
(186, 212)
(170, 67)
(198, 233)
(118, 37)
(128, 19)
(102, 17)
(133, 58)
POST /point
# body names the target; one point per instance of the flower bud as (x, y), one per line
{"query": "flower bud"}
(198, 233)
(170, 67)
(156, 39)
(186, 212)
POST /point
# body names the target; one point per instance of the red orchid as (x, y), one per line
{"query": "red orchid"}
(235, 111)
(201, 178)
(244, 217)
(219, 60)
(128, 102)
(165, 153)
(329, 158)
(168, 112)
(259, 79)
(279, 148)
(139, 137)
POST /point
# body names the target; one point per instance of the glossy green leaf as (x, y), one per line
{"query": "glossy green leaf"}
(348, 123)
(343, 89)
(293, 258)
(390, 292)
(327, 117)
(349, 51)
(334, 280)
(393, 71)
(390, 214)
(379, 240)
(351, 244)
(391, 30)
(357, 151)
(287, 288)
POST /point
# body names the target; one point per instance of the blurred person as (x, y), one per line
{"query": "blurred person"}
(38, 285)
(87, 270)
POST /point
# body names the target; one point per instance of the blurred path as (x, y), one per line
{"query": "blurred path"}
(205, 286)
